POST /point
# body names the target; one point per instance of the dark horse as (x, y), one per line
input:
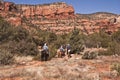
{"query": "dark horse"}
(44, 55)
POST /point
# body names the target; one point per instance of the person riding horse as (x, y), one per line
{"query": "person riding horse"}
(68, 48)
(45, 53)
(61, 52)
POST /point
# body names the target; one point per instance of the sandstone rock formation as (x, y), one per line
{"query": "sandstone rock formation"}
(118, 19)
(7, 6)
(55, 10)
(58, 18)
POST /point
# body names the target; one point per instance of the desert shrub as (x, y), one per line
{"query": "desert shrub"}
(5, 30)
(100, 39)
(60, 41)
(17, 40)
(93, 40)
(52, 50)
(116, 66)
(105, 39)
(114, 48)
(38, 40)
(76, 41)
(25, 48)
(19, 33)
(89, 55)
(116, 36)
(6, 57)
(51, 37)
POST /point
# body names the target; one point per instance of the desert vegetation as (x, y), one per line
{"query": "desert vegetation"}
(21, 42)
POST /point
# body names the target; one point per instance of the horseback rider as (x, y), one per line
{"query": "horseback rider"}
(45, 52)
(45, 48)
(61, 49)
(68, 47)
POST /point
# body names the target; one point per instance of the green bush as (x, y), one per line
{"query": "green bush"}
(5, 31)
(114, 48)
(23, 48)
(76, 41)
(19, 33)
(116, 36)
(6, 57)
(52, 50)
(60, 41)
(98, 40)
(89, 55)
(51, 37)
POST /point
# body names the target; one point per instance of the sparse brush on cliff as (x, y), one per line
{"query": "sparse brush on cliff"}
(5, 30)
(6, 57)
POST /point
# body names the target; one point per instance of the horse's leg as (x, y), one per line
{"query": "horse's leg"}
(45, 56)
(65, 52)
(69, 53)
(42, 56)
(61, 54)
(58, 54)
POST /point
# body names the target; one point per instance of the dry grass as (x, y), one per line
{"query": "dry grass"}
(19, 59)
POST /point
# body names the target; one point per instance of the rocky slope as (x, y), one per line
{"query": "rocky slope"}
(58, 17)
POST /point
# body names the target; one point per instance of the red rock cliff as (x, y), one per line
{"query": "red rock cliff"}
(55, 10)
(58, 18)
(50, 11)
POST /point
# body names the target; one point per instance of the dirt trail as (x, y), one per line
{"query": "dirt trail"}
(60, 68)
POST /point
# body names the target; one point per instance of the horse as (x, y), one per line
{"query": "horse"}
(44, 55)
(68, 52)
(60, 54)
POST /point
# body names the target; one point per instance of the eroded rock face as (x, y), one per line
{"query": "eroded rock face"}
(55, 10)
(7, 6)
(15, 21)
(58, 18)
(118, 19)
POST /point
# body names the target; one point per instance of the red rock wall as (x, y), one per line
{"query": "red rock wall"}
(56, 17)
(55, 10)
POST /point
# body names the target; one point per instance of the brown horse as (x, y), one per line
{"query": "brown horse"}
(60, 54)
(44, 55)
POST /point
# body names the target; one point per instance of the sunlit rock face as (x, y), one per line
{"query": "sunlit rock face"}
(54, 10)
(58, 17)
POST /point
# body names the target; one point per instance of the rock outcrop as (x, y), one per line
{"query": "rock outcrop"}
(55, 10)
(49, 11)
(7, 6)
(118, 19)
(58, 18)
